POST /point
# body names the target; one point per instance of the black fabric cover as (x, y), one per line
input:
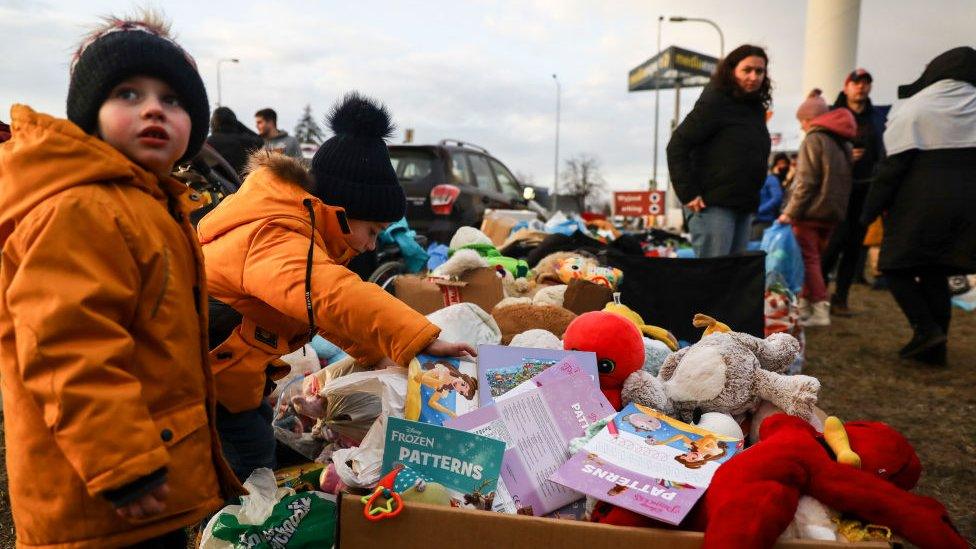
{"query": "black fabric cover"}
(669, 292)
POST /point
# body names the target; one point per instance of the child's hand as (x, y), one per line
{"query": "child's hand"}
(148, 505)
(443, 348)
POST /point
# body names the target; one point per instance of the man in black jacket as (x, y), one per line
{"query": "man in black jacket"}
(846, 244)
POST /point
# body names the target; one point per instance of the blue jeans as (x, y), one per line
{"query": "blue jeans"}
(717, 231)
(248, 439)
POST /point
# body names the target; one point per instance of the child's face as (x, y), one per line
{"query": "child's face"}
(362, 236)
(145, 120)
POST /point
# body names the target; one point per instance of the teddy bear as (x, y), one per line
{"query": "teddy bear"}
(517, 315)
(754, 496)
(728, 372)
(618, 345)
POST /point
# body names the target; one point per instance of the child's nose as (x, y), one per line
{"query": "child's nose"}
(153, 108)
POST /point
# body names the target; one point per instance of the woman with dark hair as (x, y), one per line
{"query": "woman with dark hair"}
(927, 186)
(717, 155)
(233, 140)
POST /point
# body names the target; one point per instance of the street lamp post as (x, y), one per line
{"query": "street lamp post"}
(555, 168)
(721, 37)
(228, 60)
(657, 97)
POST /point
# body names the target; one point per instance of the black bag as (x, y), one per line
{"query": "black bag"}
(668, 292)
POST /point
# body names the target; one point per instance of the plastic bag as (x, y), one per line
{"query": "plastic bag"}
(354, 401)
(361, 467)
(272, 517)
(783, 255)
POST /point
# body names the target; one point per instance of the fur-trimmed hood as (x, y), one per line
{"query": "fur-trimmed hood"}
(278, 186)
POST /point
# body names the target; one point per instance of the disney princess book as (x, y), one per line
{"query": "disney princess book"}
(648, 463)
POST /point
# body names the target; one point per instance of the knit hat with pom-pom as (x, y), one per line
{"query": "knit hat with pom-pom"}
(813, 106)
(353, 169)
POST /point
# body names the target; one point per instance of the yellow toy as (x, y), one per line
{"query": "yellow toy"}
(653, 332)
(711, 325)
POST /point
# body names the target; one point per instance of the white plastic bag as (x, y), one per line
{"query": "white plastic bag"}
(361, 467)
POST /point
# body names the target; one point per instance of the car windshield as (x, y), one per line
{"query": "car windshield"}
(411, 165)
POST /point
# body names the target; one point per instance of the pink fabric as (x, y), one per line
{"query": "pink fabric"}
(812, 236)
(838, 121)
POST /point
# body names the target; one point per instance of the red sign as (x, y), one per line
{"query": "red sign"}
(638, 203)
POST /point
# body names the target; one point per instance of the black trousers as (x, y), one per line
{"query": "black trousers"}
(923, 295)
(847, 245)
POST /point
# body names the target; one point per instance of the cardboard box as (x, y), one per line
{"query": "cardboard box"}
(583, 296)
(483, 287)
(426, 526)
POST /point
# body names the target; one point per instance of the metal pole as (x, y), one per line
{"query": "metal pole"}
(657, 98)
(677, 104)
(555, 168)
(721, 37)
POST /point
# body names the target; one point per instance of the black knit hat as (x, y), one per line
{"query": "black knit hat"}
(353, 169)
(126, 48)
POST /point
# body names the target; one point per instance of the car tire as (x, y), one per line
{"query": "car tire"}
(385, 274)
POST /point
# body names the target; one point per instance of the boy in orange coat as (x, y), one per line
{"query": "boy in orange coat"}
(276, 253)
(108, 400)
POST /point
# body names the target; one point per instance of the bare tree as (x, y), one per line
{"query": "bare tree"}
(582, 179)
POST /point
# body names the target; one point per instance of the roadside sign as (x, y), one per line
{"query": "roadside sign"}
(638, 203)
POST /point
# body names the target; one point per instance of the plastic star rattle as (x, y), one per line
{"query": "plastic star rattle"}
(394, 504)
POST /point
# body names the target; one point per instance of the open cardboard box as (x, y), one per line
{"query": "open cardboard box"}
(427, 526)
(483, 287)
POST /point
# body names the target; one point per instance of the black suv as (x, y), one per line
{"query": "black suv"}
(450, 184)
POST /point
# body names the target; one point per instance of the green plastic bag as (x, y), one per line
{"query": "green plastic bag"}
(273, 518)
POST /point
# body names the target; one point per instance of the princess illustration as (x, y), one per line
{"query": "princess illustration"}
(443, 377)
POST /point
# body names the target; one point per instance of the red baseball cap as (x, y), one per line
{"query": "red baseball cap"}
(857, 75)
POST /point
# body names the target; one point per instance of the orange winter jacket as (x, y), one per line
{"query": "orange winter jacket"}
(103, 362)
(257, 245)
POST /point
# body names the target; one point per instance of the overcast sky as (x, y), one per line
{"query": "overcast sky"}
(480, 70)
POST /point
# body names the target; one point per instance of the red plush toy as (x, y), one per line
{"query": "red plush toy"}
(752, 498)
(618, 344)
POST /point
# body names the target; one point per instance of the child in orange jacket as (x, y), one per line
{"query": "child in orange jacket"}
(108, 400)
(276, 252)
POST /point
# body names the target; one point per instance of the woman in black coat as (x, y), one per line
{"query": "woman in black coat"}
(233, 140)
(927, 186)
(717, 156)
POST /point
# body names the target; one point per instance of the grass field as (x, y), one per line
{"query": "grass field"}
(862, 378)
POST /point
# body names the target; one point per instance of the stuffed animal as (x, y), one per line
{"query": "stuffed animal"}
(728, 372)
(517, 315)
(469, 238)
(577, 267)
(652, 332)
(547, 270)
(618, 345)
(537, 339)
(753, 497)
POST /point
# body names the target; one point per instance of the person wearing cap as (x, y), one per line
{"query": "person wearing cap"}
(276, 254)
(926, 189)
(846, 250)
(108, 398)
(818, 197)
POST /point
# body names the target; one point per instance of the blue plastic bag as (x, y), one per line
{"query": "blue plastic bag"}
(783, 255)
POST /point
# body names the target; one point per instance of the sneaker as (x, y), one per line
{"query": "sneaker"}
(804, 307)
(820, 315)
(840, 308)
(923, 341)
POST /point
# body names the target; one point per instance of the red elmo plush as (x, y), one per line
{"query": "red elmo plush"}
(618, 344)
(752, 498)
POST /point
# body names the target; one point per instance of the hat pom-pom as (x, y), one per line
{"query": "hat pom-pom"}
(814, 93)
(361, 117)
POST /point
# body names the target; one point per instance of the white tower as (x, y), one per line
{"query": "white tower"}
(830, 47)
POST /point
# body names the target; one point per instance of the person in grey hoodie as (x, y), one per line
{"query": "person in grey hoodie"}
(276, 140)
(819, 195)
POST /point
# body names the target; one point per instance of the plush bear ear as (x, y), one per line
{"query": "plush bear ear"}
(775, 353)
(795, 395)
